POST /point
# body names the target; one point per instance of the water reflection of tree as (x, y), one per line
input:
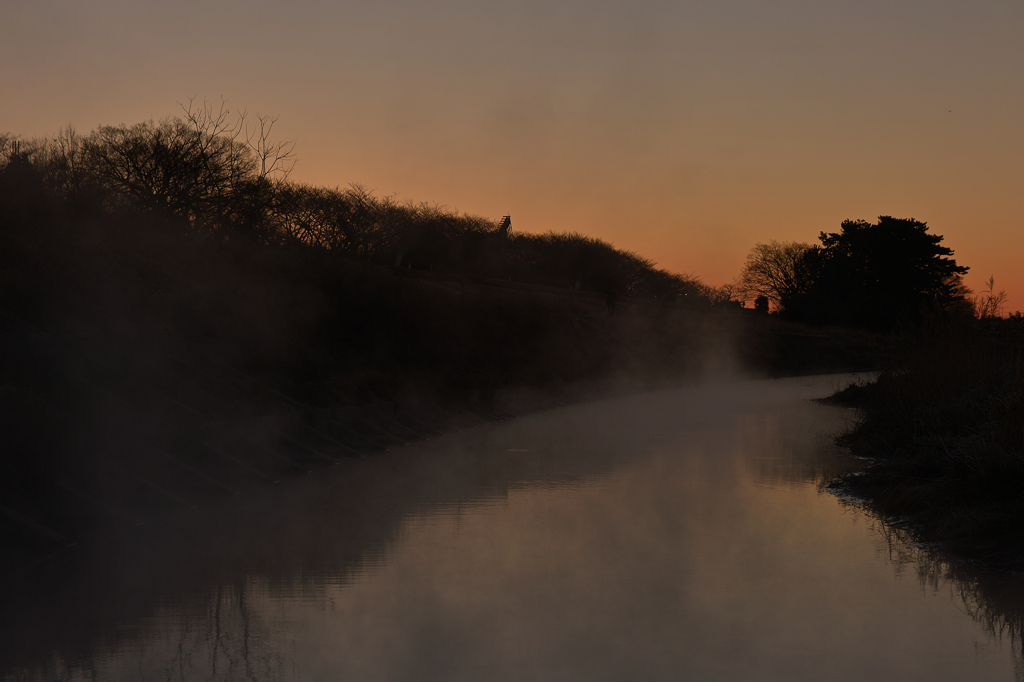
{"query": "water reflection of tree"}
(223, 637)
(209, 596)
(992, 598)
(189, 593)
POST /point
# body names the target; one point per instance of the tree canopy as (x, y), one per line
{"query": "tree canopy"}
(878, 275)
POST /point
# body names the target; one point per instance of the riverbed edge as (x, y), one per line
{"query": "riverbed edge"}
(959, 517)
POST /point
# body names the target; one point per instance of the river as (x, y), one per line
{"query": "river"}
(675, 535)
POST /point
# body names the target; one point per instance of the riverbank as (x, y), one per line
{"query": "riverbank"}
(147, 368)
(146, 372)
(944, 428)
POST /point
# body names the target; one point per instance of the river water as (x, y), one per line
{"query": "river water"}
(677, 535)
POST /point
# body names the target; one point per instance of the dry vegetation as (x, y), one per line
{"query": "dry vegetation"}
(946, 424)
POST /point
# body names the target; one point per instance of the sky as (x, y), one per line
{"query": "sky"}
(684, 131)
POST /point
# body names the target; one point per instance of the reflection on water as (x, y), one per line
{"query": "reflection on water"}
(992, 598)
(675, 535)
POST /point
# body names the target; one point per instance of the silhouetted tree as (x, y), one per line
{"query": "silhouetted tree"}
(67, 173)
(776, 271)
(877, 275)
(205, 167)
(721, 296)
(168, 167)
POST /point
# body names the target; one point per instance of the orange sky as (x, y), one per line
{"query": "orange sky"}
(686, 131)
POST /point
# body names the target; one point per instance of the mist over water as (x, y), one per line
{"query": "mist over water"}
(681, 534)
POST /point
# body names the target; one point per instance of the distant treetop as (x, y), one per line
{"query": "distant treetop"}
(868, 275)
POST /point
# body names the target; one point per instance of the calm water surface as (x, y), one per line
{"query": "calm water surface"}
(679, 535)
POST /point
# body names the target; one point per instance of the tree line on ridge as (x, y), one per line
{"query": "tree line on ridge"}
(222, 177)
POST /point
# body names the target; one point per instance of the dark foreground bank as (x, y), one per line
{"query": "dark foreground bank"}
(945, 431)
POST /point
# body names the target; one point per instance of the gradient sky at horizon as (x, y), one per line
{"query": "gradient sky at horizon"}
(685, 131)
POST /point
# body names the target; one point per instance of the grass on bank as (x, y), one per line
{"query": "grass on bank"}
(946, 426)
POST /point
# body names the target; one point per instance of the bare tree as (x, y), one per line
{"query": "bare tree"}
(169, 166)
(718, 295)
(275, 159)
(774, 270)
(66, 167)
(208, 166)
